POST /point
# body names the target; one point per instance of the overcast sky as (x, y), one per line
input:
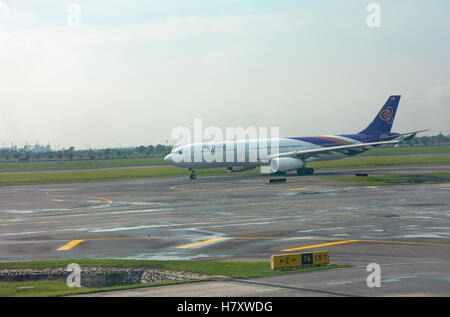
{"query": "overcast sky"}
(135, 70)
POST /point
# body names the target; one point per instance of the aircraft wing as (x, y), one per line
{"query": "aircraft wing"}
(303, 154)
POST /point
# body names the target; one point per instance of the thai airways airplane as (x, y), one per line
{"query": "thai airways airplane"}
(291, 153)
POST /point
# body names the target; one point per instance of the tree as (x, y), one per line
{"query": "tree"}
(140, 149)
(160, 148)
(440, 138)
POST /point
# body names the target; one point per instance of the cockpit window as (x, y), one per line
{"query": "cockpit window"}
(177, 151)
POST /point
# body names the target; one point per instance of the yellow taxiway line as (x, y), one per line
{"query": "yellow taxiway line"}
(368, 241)
(73, 243)
(70, 245)
(49, 193)
(320, 245)
(200, 243)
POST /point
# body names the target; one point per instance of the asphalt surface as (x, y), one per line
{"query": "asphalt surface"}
(403, 228)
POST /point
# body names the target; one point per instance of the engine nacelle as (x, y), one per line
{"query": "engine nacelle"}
(234, 169)
(284, 164)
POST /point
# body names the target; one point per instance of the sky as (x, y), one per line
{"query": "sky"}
(126, 73)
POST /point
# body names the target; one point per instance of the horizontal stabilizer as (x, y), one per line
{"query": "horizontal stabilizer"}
(403, 137)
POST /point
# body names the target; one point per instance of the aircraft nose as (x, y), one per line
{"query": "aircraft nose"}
(168, 158)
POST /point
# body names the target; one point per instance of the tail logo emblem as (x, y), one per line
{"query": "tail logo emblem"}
(386, 115)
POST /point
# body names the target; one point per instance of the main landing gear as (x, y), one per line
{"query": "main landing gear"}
(192, 176)
(305, 171)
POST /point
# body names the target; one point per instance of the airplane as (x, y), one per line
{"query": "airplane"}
(289, 153)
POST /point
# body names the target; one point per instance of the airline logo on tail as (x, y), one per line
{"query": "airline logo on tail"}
(387, 115)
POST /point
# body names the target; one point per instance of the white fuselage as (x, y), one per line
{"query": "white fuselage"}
(242, 153)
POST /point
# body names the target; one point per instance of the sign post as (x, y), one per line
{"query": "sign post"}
(299, 260)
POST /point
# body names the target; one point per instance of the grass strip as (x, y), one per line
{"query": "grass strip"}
(64, 165)
(133, 162)
(379, 180)
(170, 171)
(99, 175)
(366, 162)
(58, 288)
(209, 268)
(234, 269)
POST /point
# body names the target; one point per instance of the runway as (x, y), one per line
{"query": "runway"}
(238, 217)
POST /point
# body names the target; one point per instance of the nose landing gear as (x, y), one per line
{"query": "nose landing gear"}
(192, 176)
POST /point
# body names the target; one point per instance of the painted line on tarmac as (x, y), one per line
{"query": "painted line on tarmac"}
(200, 243)
(368, 241)
(108, 203)
(69, 245)
(407, 242)
(320, 245)
(207, 187)
(149, 238)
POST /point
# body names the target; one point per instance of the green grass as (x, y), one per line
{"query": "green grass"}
(99, 175)
(92, 164)
(365, 162)
(225, 268)
(58, 288)
(61, 165)
(427, 178)
(210, 268)
(170, 171)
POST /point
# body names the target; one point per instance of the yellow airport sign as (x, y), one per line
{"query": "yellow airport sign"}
(299, 259)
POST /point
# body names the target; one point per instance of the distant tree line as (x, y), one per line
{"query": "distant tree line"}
(152, 151)
(437, 140)
(70, 154)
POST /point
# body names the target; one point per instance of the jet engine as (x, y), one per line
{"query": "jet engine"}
(284, 164)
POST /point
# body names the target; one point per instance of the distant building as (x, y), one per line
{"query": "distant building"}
(37, 148)
(11, 148)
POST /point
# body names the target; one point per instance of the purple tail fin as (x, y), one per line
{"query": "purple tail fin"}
(385, 118)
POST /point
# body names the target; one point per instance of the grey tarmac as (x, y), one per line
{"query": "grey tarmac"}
(403, 228)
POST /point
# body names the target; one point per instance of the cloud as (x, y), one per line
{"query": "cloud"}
(438, 94)
(137, 76)
(303, 70)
